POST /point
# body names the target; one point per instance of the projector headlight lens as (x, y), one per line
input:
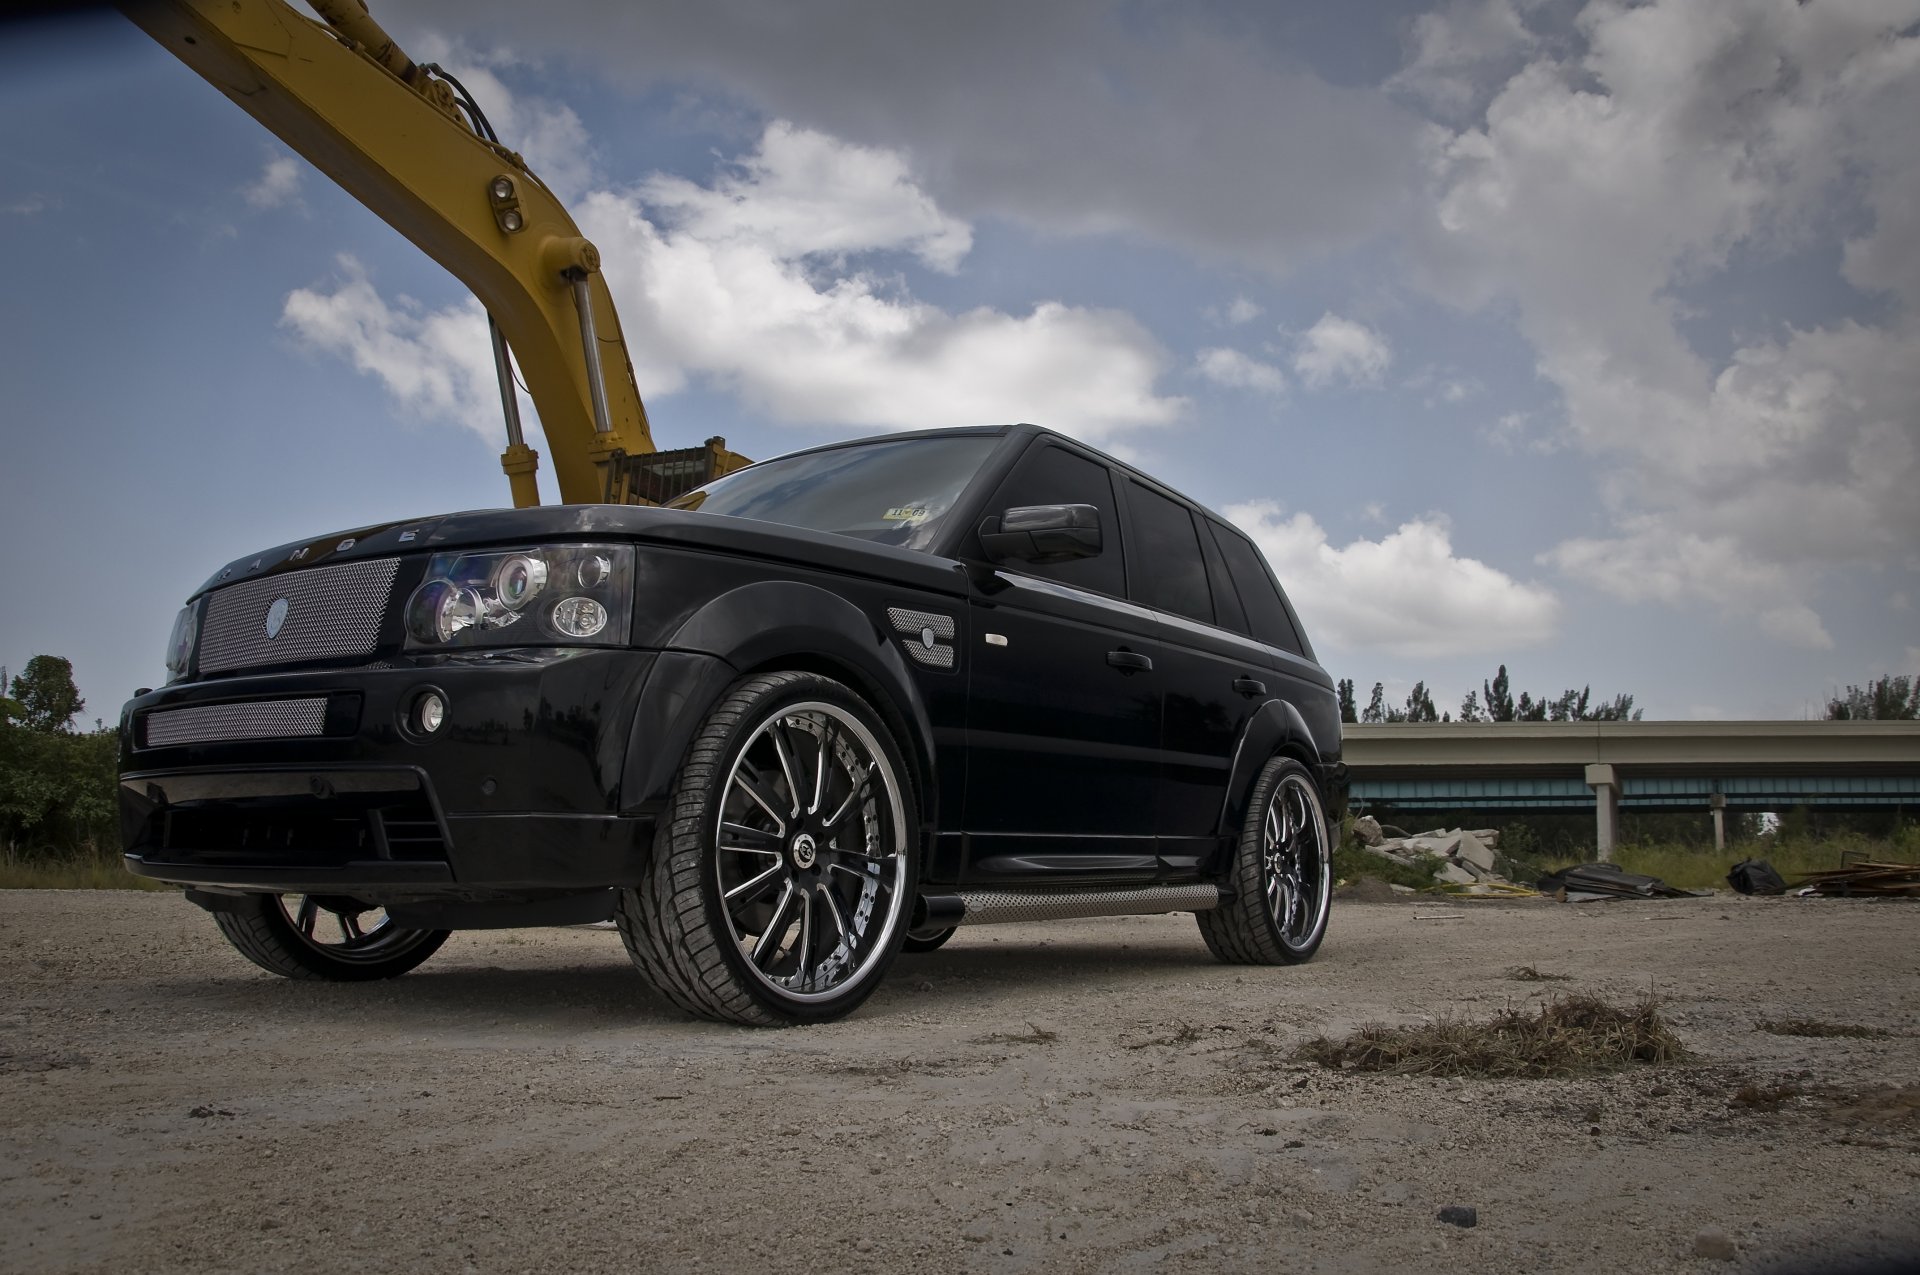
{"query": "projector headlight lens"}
(510, 598)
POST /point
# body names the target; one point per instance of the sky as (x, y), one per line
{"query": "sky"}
(1582, 338)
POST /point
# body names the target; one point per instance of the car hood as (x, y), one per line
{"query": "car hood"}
(683, 528)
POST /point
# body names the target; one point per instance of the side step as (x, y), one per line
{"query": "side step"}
(935, 913)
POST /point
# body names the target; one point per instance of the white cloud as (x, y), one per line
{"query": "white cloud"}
(1454, 48)
(277, 185)
(750, 285)
(436, 364)
(1407, 594)
(1635, 163)
(36, 202)
(1237, 371)
(1338, 350)
(804, 194)
(1241, 310)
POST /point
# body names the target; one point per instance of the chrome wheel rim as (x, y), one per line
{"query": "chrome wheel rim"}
(1294, 853)
(811, 852)
(343, 928)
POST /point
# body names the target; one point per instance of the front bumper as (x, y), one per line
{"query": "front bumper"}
(516, 796)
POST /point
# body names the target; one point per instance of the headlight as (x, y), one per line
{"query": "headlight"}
(186, 628)
(554, 595)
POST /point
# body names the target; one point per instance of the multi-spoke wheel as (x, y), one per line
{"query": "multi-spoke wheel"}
(323, 936)
(1282, 874)
(783, 871)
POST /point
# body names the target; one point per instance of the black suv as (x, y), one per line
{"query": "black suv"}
(820, 709)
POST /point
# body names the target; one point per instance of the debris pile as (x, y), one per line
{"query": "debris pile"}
(1588, 882)
(1883, 880)
(1468, 857)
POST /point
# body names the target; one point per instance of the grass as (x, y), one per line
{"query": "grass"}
(81, 873)
(1571, 1036)
(1350, 863)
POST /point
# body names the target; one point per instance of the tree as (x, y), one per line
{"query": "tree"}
(1347, 711)
(1376, 707)
(1470, 708)
(46, 697)
(1499, 697)
(1891, 699)
(1420, 705)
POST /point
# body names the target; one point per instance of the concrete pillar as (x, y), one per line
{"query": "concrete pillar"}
(1606, 809)
(1717, 802)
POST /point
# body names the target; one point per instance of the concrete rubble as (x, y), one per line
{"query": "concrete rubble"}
(1468, 855)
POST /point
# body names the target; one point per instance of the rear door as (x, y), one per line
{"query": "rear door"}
(1063, 719)
(1213, 678)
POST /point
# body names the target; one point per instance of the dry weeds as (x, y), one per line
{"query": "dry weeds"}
(1569, 1036)
(1534, 974)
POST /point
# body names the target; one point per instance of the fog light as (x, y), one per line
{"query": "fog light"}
(429, 713)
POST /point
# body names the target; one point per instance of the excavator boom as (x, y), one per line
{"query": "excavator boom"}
(346, 97)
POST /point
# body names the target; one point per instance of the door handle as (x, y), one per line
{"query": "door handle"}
(1129, 661)
(1249, 686)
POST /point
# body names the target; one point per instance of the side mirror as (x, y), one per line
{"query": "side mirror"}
(1042, 534)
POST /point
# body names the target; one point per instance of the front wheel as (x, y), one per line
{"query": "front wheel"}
(784, 868)
(1282, 874)
(319, 936)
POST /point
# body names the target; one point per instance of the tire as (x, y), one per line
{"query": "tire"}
(748, 880)
(1281, 875)
(928, 944)
(296, 939)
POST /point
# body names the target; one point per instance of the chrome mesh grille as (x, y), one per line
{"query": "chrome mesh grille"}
(988, 907)
(926, 635)
(332, 613)
(263, 719)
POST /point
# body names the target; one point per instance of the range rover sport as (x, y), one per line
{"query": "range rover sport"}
(822, 709)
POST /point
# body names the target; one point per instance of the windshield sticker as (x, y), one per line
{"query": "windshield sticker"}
(906, 513)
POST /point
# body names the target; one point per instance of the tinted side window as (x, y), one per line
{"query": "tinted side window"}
(1049, 475)
(1168, 571)
(1265, 611)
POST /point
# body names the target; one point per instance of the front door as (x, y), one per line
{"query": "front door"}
(1063, 718)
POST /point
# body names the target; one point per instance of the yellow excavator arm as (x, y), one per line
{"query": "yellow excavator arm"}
(342, 94)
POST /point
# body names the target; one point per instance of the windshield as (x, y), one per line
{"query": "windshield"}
(894, 492)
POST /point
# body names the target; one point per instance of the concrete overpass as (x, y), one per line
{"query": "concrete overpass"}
(1518, 767)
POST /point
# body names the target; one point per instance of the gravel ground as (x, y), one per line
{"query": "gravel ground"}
(1077, 1096)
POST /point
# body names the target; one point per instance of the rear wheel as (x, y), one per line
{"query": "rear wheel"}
(782, 874)
(1282, 874)
(322, 936)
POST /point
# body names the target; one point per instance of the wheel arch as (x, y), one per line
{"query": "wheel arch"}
(1276, 729)
(769, 626)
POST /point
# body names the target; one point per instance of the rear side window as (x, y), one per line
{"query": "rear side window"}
(1169, 572)
(1266, 612)
(1049, 475)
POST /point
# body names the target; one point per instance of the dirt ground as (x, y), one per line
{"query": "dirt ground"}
(1076, 1096)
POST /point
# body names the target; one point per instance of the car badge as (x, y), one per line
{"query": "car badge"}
(277, 618)
(345, 545)
(226, 572)
(407, 537)
(255, 564)
(298, 555)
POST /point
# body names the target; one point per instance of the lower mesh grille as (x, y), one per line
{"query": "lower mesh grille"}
(263, 719)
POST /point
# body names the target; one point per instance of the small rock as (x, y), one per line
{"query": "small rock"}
(1459, 1215)
(1714, 1243)
(863, 1245)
